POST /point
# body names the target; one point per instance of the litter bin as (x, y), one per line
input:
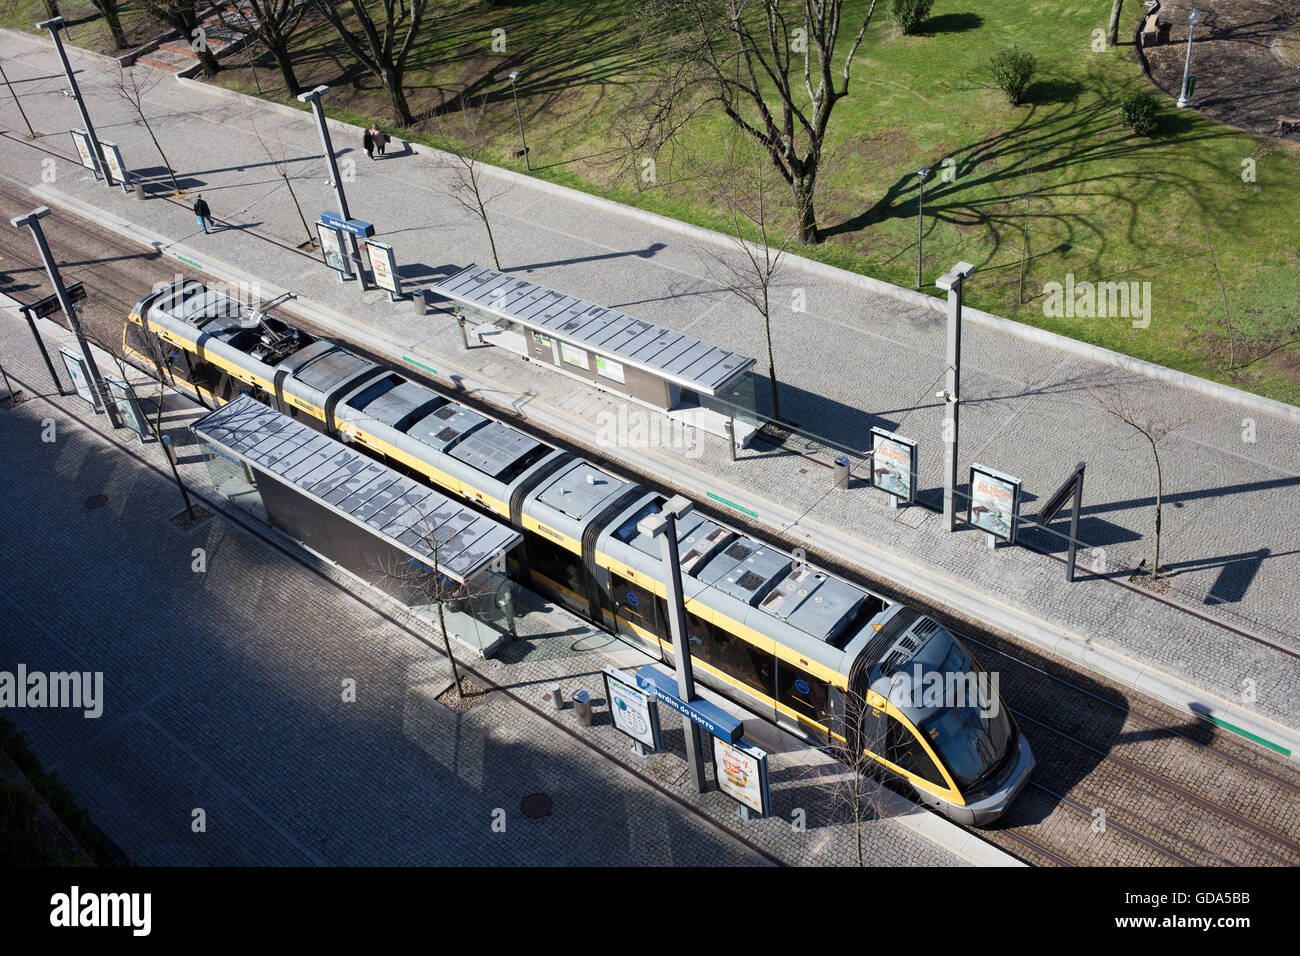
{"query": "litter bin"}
(582, 707)
(841, 471)
(139, 189)
(556, 695)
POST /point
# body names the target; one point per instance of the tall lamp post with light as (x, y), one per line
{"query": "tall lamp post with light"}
(953, 283)
(520, 116)
(664, 527)
(33, 222)
(96, 152)
(1187, 64)
(922, 175)
(313, 97)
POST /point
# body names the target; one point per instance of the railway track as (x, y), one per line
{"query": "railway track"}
(1120, 781)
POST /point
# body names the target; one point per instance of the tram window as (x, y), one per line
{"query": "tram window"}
(137, 340)
(639, 606)
(703, 641)
(740, 659)
(554, 562)
(801, 692)
(903, 750)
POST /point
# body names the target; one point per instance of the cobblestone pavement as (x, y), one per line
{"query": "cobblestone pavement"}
(854, 360)
(224, 693)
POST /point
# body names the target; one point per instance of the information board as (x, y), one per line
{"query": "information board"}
(80, 375)
(633, 711)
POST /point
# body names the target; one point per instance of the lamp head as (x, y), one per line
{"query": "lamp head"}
(514, 76)
(39, 213)
(1195, 16)
(313, 94)
(958, 273)
(923, 173)
(54, 23)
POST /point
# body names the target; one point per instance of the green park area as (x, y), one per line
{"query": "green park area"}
(1033, 194)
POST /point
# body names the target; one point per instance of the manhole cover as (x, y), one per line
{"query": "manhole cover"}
(96, 501)
(536, 806)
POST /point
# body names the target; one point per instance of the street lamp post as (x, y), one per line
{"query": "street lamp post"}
(33, 222)
(952, 282)
(922, 175)
(96, 153)
(1187, 64)
(664, 527)
(31, 131)
(519, 116)
(313, 97)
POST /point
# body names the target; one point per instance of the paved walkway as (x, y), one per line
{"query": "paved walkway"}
(223, 692)
(854, 360)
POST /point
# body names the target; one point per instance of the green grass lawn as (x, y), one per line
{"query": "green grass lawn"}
(1054, 187)
(86, 28)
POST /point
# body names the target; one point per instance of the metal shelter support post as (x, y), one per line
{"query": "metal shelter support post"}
(313, 97)
(96, 153)
(664, 527)
(33, 222)
(952, 282)
(40, 344)
(1072, 487)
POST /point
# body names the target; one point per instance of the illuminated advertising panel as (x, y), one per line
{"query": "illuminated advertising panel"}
(331, 247)
(994, 502)
(893, 466)
(741, 771)
(384, 266)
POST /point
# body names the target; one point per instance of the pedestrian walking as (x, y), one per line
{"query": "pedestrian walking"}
(202, 213)
(368, 142)
(380, 138)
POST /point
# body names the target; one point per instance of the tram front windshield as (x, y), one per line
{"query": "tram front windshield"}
(971, 739)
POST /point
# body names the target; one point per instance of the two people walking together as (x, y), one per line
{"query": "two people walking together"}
(374, 139)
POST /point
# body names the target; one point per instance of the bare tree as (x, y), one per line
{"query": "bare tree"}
(183, 17)
(1139, 410)
(768, 64)
(132, 85)
(743, 188)
(273, 22)
(383, 49)
(279, 160)
(467, 146)
(852, 788)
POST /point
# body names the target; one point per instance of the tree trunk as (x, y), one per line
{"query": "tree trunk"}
(280, 50)
(397, 97)
(51, 9)
(208, 60)
(108, 9)
(803, 199)
(1113, 33)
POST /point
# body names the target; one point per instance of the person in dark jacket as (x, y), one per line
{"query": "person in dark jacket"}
(368, 142)
(202, 213)
(379, 136)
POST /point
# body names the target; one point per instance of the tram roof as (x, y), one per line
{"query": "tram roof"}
(666, 354)
(406, 513)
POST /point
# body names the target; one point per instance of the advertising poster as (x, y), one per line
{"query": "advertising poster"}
(893, 467)
(994, 502)
(632, 710)
(574, 355)
(741, 773)
(609, 369)
(384, 266)
(331, 245)
(82, 142)
(113, 160)
(80, 375)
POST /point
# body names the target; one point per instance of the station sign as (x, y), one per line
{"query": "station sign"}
(634, 712)
(741, 772)
(332, 248)
(383, 265)
(709, 716)
(358, 227)
(994, 505)
(79, 372)
(893, 464)
(50, 304)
